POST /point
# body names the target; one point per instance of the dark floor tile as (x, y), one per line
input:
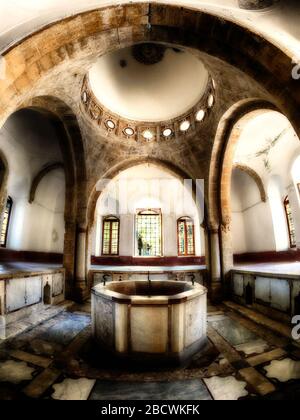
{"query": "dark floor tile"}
(240, 364)
(66, 329)
(178, 390)
(290, 392)
(233, 332)
(43, 348)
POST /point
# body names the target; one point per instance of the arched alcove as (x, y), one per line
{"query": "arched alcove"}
(264, 141)
(249, 213)
(30, 142)
(44, 181)
(143, 187)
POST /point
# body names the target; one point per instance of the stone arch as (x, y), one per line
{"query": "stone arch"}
(3, 181)
(174, 170)
(70, 140)
(219, 182)
(129, 163)
(36, 56)
(71, 143)
(256, 178)
(40, 175)
(221, 163)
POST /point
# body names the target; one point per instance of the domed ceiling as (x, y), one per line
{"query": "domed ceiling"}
(149, 82)
(148, 92)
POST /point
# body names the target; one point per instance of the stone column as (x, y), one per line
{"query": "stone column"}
(3, 199)
(294, 203)
(215, 265)
(80, 263)
(256, 4)
(226, 254)
(69, 257)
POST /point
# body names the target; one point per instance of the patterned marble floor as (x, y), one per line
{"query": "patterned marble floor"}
(57, 360)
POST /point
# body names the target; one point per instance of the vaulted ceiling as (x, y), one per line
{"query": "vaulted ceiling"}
(279, 23)
(235, 65)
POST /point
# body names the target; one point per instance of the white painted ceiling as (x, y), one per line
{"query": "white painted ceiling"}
(19, 18)
(155, 92)
(268, 144)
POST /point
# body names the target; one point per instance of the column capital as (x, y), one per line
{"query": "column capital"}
(81, 228)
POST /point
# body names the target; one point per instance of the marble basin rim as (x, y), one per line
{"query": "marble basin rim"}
(159, 324)
(160, 291)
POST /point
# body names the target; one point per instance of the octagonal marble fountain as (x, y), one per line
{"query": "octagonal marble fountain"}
(157, 322)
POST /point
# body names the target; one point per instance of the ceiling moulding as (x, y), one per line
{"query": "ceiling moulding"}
(114, 126)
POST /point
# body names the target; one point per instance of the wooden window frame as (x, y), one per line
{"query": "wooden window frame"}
(10, 200)
(185, 254)
(286, 202)
(158, 213)
(105, 220)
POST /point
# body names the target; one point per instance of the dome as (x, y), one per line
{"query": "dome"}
(149, 82)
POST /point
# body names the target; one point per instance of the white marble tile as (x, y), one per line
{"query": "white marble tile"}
(213, 318)
(253, 347)
(73, 389)
(283, 370)
(15, 372)
(282, 268)
(144, 269)
(228, 388)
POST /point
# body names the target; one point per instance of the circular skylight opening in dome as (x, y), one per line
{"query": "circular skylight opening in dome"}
(128, 131)
(200, 115)
(167, 132)
(211, 101)
(110, 124)
(84, 97)
(185, 125)
(148, 135)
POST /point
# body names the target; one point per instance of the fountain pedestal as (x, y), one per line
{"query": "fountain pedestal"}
(168, 327)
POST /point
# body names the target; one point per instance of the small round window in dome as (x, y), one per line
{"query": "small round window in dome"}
(128, 131)
(210, 101)
(214, 83)
(200, 115)
(167, 132)
(110, 124)
(148, 135)
(84, 97)
(185, 125)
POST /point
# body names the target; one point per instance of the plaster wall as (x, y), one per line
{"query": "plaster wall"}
(252, 228)
(29, 143)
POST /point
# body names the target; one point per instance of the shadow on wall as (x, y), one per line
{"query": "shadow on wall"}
(29, 142)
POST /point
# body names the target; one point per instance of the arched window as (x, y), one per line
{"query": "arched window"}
(148, 233)
(185, 236)
(5, 222)
(290, 222)
(110, 235)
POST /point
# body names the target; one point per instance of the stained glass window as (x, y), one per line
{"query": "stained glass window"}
(148, 233)
(110, 236)
(5, 222)
(290, 222)
(185, 236)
